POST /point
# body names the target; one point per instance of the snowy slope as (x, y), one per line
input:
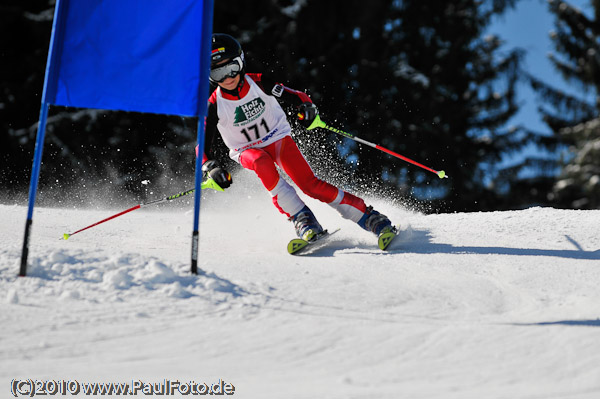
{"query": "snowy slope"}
(494, 305)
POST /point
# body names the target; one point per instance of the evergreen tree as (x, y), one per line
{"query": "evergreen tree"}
(578, 185)
(464, 93)
(573, 119)
(416, 77)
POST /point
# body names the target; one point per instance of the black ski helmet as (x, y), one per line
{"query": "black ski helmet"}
(226, 47)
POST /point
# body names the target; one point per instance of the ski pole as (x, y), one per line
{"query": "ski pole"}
(209, 183)
(319, 123)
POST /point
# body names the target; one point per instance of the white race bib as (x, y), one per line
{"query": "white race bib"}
(255, 121)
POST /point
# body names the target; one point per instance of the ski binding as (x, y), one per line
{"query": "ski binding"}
(298, 245)
(386, 238)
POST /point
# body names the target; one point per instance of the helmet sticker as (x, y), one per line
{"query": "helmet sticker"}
(216, 53)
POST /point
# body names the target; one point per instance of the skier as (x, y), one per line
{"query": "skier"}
(245, 110)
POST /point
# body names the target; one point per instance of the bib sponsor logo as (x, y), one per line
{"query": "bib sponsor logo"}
(259, 141)
(248, 112)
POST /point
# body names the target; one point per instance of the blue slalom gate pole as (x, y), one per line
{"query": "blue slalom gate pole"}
(49, 87)
(205, 49)
(33, 184)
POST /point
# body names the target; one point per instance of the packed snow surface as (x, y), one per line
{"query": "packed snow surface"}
(466, 305)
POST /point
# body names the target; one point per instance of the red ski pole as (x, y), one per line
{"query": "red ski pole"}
(319, 123)
(209, 183)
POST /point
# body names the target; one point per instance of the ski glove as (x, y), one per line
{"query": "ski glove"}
(307, 112)
(212, 169)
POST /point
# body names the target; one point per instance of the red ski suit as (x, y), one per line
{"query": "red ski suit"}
(254, 127)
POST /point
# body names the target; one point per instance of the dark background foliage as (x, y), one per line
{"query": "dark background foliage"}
(419, 77)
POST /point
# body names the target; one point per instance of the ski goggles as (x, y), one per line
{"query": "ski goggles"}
(228, 70)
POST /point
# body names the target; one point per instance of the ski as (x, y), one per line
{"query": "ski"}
(386, 238)
(298, 245)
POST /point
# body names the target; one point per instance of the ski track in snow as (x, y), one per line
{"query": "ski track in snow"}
(466, 305)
